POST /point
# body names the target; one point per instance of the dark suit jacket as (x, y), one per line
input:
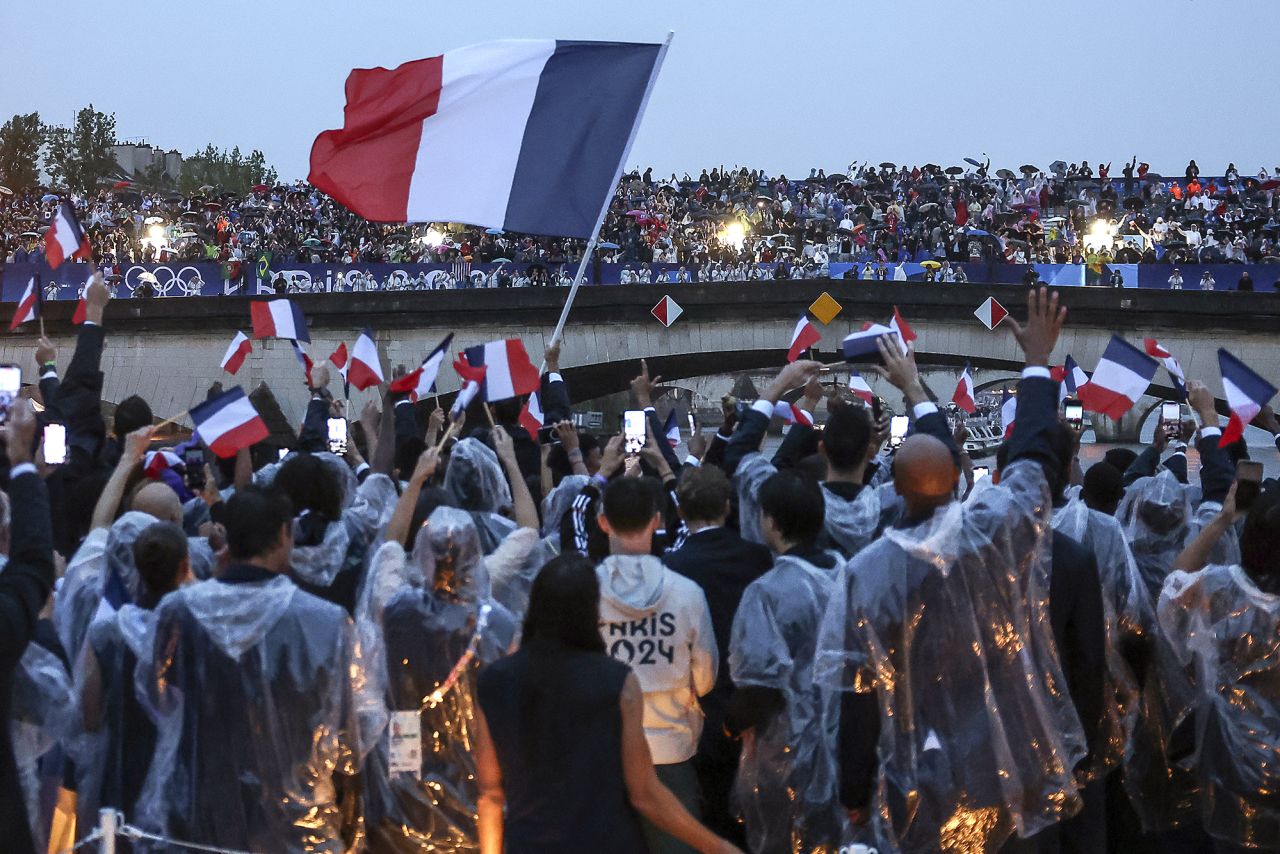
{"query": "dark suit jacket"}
(24, 587)
(1075, 612)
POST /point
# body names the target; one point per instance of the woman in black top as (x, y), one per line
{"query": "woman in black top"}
(559, 741)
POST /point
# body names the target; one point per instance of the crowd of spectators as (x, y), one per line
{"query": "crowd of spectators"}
(721, 224)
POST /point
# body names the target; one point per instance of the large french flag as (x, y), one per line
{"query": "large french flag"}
(28, 305)
(365, 369)
(65, 239)
(278, 318)
(508, 371)
(1246, 394)
(964, 395)
(861, 346)
(1122, 376)
(228, 423)
(524, 135)
(804, 337)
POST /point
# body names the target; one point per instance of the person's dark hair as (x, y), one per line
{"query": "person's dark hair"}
(1103, 488)
(564, 605)
(846, 436)
(794, 503)
(131, 413)
(310, 485)
(704, 493)
(1121, 458)
(558, 459)
(629, 504)
(1260, 541)
(508, 411)
(158, 554)
(253, 518)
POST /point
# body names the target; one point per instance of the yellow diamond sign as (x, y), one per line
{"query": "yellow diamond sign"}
(825, 308)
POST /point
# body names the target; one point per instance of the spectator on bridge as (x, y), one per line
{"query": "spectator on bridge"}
(1175, 280)
(1207, 281)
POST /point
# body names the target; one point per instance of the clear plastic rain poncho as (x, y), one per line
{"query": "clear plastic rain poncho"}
(435, 635)
(1128, 617)
(475, 479)
(946, 622)
(1156, 516)
(41, 715)
(1221, 664)
(101, 574)
(786, 783)
(274, 776)
(511, 581)
(848, 525)
(118, 737)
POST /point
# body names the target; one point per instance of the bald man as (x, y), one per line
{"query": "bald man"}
(954, 720)
(159, 500)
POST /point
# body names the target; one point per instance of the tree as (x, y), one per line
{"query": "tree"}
(79, 157)
(224, 170)
(20, 140)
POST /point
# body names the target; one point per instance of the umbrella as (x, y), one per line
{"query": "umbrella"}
(1055, 219)
(313, 243)
(1005, 173)
(5, 191)
(206, 188)
(1271, 185)
(30, 234)
(975, 232)
(213, 206)
(837, 176)
(931, 265)
(1057, 167)
(144, 276)
(608, 245)
(191, 214)
(493, 231)
(928, 206)
(1028, 169)
(637, 213)
(779, 236)
(121, 185)
(931, 167)
(260, 188)
(764, 197)
(953, 170)
(152, 220)
(886, 165)
(973, 162)
(49, 197)
(185, 234)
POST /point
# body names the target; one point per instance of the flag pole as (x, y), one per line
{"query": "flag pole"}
(604, 209)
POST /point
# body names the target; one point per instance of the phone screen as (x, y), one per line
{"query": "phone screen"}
(10, 385)
(1171, 412)
(1074, 412)
(693, 424)
(979, 472)
(55, 444)
(193, 462)
(1248, 483)
(338, 435)
(633, 431)
(898, 429)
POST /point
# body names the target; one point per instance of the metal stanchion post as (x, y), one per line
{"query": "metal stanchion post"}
(107, 819)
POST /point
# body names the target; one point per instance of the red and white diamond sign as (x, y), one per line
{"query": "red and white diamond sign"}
(667, 310)
(991, 313)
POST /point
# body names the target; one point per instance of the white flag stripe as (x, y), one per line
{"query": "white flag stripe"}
(282, 318)
(497, 374)
(234, 348)
(471, 145)
(1239, 402)
(1117, 378)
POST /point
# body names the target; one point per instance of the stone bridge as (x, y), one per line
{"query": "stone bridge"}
(169, 350)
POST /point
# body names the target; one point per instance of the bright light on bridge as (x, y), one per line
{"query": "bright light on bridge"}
(734, 234)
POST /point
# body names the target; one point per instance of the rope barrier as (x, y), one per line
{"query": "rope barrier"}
(111, 825)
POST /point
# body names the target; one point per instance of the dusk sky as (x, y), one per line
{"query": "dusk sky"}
(780, 86)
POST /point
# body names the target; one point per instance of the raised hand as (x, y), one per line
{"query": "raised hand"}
(45, 352)
(642, 386)
(1043, 327)
(426, 466)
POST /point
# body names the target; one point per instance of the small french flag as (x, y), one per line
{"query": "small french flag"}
(228, 423)
(157, 461)
(278, 318)
(303, 359)
(365, 369)
(65, 239)
(792, 414)
(238, 350)
(28, 305)
(804, 337)
(859, 387)
(861, 346)
(1121, 378)
(1246, 394)
(531, 417)
(1008, 412)
(472, 378)
(421, 381)
(1073, 376)
(671, 429)
(508, 371)
(963, 396)
(81, 313)
(899, 327)
(338, 358)
(1154, 348)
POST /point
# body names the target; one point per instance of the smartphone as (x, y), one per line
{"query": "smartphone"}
(693, 424)
(875, 408)
(979, 472)
(55, 444)
(1073, 412)
(633, 431)
(1171, 416)
(338, 436)
(10, 385)
(1248, 483)
(898, 430)
(193, 463)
